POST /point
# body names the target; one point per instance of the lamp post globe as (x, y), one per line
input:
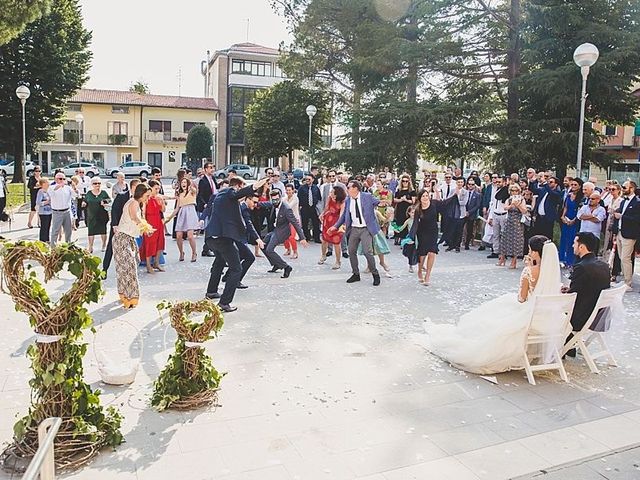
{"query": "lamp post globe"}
(23, 92)
(311, 111)
(586, 55)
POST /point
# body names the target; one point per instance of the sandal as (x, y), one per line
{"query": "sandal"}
(336, 266)
(322, 260)
(181, 259)
(194, 257)
(158, 268)
(294, 256)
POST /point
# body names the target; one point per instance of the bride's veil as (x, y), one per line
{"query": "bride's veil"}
(549, 279)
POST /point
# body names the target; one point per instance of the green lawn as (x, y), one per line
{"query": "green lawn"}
(15, 195)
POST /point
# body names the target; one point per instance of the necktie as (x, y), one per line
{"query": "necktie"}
(448, 188)
(310, 196)
(358, 216)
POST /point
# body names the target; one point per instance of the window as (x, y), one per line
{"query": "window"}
(189, 125)
(159, 126)
(236, 129)
(236, 154)
(610, 130)
(119, 109)
(74, 107)
(154, 159)
(240, 98)
(71, 132)
(126, 157)
(117, 128)
(249, 67)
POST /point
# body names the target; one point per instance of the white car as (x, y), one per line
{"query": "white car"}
(137, 169)
(89, 168)
(7, 169)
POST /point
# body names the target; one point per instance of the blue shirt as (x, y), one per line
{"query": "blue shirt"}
(42, 197)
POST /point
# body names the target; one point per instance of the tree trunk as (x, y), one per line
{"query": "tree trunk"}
(355, 123)
(18, 174)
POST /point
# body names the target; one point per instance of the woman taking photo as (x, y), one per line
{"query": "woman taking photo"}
(331, 214)
(187, 217)
(570, 223)
(125, 249)
(153, 245)
(512, 242)
(96, 215)
(404, 198)
(424, 231)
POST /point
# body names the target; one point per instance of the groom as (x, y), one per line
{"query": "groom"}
(589, 277)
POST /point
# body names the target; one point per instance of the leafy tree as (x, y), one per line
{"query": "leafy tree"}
(276, 122)
(51, 56)
(199, 142)
(140, 87)
(16, 14)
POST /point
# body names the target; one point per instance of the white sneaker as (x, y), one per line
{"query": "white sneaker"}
(410, 268)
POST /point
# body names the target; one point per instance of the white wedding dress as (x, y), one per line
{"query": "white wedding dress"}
(491, 338)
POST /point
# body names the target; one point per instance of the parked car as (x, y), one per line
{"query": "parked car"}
(242, 170)
(7, 169)
(89, 168)
(136, 169)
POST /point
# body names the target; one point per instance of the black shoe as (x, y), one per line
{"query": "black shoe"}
(353, 278)
(224, 279)
(482, 248)
(227, 308)
(207, 254)
(329, 253)
(493, 255)
(242, 286)
(466, 247)
(458, 250)
(287, 272)
(376, 279)
(345, 254)
(212, 295)
(448, 249)
(571, 353)
(273, 270)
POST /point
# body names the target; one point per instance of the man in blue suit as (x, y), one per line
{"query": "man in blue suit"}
(359, 217)
(549, 198)
(224, 231)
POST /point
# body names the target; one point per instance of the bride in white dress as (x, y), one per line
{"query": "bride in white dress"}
(491, 338)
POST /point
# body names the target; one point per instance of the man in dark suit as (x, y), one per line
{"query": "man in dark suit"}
(116, 213)
(206, 188)
(549, 198)
(309, 197)
(474, 202)
(280, 219)
(627, 229)
(589, 277)
(224, 230)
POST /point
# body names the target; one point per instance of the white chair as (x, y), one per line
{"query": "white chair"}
(548, 329)
(584, 338)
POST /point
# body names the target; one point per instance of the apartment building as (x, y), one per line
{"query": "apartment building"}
(110, 127)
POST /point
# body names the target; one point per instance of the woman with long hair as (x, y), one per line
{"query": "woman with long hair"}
(187, 217)
(291, 199)
(96, 215)
(153, 245)
(125, 249)
(33, 184)
(424, 231)
(491, 338)
(570, 222)
(404, 198)
(331, 214)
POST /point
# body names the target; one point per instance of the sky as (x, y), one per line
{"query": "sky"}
(152, 41)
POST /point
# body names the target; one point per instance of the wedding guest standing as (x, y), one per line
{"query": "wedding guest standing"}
(125, 249)
(206, 189)
(61, 196)
(329, 217)
(43, 204)
(512, 242)
(404, 198)
(33, 185)
(96, 216)
(153, 244)
(117, 208)
(3, 197)
(570, 222)
(591, 217)
(187, 218)
(120, 186)
(628, 229)
(609, 237)
(472, 207)
(291, 199)
(309, 197)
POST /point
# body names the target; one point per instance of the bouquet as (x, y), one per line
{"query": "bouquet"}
(145, 228)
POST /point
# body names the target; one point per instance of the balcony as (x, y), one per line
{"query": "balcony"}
(164, 137)
(69, 137)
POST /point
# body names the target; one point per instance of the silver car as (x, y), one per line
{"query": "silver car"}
(136, 169)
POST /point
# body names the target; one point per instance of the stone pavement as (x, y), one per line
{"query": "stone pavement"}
(327, 381)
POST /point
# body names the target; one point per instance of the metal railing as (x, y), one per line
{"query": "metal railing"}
(73, 138)
(43, 462)
(151, 136)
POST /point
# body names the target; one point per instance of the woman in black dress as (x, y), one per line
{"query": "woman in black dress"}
(33, 184)
(404, 198)
(424, 230)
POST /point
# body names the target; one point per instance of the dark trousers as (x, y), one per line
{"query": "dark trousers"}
(246, 260)
(469, 224)
(455, 232)
(108, 252)
(271, 242)
(543, 226)
(45, 227)
(81, 211)
(309, 214)
(227, 254)
(445, 229)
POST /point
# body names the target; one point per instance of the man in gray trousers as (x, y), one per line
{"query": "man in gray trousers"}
(360, 219)
(61, 195)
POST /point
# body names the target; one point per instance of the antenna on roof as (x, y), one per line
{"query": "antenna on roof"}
(248, 20)
(179, 81)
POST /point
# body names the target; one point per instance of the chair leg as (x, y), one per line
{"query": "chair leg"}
(563, 372)
(587, 356)
(605, 348)
(527, 369)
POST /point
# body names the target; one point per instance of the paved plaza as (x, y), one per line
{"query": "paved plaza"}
(329, 381)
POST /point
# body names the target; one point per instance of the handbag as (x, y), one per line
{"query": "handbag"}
(526, 220)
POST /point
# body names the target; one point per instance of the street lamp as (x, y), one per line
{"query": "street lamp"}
(80, 121)
(585, 56)
(214, 145)
(23, 92)
(311, 111)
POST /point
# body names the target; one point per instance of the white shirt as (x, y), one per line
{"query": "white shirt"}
(496, 207)
(2, 188)
(447, 190)
(60, 198)
(624, 209)
(587, 225)
(355, 222)
(541, 204)
(84, 185)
